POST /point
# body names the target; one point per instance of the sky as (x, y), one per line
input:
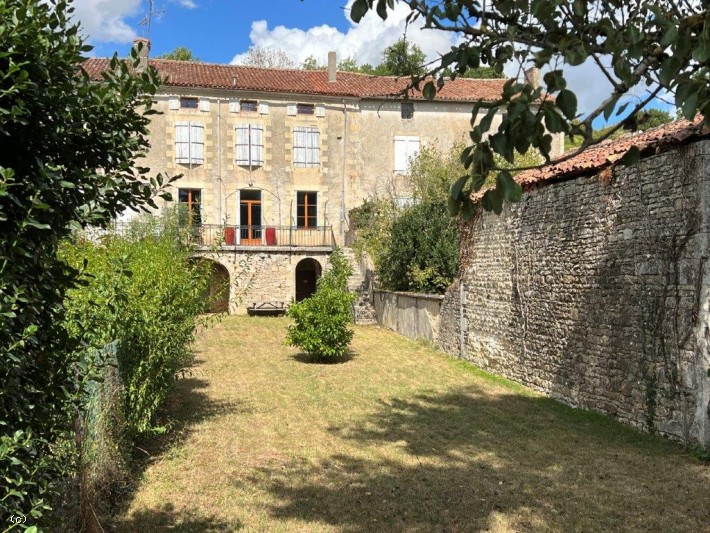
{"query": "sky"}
(221, 31)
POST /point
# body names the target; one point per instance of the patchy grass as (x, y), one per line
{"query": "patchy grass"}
(396, 438)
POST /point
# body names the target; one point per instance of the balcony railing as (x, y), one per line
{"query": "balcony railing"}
(224, 236)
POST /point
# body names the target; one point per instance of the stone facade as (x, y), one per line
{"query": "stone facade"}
(262, 276)
(595, 290)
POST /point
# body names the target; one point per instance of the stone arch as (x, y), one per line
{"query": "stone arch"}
(217, 293)
(307, 272)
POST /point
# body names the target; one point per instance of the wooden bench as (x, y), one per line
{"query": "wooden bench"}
(267, 309)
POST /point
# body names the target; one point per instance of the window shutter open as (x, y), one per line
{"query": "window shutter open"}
(242, 146)
(182, 142)
(204, 105)
(263, 108)
(320, 110)
(234, 106)
(197, 143)
(291, 110)
(400, 155)
(257, 145)
(173, 104)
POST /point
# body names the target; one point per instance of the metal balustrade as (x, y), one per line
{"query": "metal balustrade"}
(221, 236)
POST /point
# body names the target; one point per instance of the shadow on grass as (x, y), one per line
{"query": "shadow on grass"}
(469, 461)
(187, 406)
(323, 360)
(168, 519)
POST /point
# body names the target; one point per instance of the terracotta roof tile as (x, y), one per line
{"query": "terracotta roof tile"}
(348, 84)
(598, 157)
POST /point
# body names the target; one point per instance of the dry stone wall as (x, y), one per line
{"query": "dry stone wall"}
(595, 291)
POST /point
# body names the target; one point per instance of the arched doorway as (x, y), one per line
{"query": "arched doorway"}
(217, 293)
(307, 273)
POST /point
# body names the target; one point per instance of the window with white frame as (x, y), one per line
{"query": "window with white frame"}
(189, 143)
(405, 149)
(306, 147)
(249, 148)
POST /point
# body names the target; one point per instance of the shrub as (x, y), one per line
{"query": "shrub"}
(423, 250)
(321, 323)
(143, 290)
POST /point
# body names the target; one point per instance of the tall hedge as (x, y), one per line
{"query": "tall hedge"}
(67, 153)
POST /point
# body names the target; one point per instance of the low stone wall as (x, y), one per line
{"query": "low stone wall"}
(595, 291)
(415, 316)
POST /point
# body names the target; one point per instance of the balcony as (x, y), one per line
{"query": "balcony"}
(220, 237)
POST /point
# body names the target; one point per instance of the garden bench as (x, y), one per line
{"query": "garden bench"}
(272, 308)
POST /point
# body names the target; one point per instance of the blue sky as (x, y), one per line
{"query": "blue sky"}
(217, 30)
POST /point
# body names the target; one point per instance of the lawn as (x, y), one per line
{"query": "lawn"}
(398, 438)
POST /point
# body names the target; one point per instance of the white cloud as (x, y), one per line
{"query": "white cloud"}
(364, 42)
(104, 20)
(189, 4)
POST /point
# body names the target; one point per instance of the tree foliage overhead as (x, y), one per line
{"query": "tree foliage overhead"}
(661, 45)
(258, 56)
(402, 58)
(180, 53)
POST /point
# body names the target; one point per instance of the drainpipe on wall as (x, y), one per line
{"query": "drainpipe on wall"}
(342, 183)
(219, 160)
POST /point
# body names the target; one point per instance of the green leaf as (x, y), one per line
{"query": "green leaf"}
(429, 91)
(555, 81)
(358, 10)
(511, 190)
(631, 157)
(567, 102)
(458, 186)
(690, 106)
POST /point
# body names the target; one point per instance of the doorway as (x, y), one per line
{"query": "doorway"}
(307, 273)
(249, 217)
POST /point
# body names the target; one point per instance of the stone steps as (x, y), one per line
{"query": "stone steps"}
(363, 310)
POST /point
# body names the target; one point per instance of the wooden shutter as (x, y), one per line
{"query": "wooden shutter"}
(204, 104)
(291, 110)
(197, 143)
(299, 147)
(182, 142)
(412, 150)
(234, 106)
(400, 155)
(174, 104)
(320, 110)
(242, 146)
(257, 145)
(313, 147)
(263, 108)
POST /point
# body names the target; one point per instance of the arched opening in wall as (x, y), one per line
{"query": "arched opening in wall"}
(217, 293)
(307, 273)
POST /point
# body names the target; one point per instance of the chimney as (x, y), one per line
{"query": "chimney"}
(332, 67)
(532, 76)
(142, 48)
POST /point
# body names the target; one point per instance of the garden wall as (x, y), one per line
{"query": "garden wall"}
(595, 291)
(415, 316)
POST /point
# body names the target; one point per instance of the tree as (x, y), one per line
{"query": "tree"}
(661, 45)
(402, 59)
(180, 53)
(321, 322)
(69, 148)
(267, 58)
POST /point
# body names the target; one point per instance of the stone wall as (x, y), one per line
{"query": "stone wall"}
(258, 276)
(595, 291)
(415, 316)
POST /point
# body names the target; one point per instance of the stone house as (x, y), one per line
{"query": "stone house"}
(273, 160)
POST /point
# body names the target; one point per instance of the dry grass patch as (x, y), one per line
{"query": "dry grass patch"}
(397, 438)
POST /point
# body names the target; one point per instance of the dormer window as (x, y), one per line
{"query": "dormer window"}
(189, 103)
(251, 106)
